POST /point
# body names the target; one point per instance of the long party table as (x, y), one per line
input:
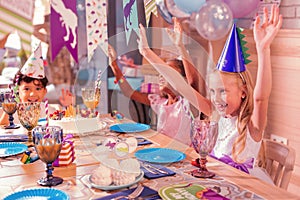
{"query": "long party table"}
(229, 182)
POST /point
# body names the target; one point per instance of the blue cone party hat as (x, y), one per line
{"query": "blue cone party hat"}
(234, 56)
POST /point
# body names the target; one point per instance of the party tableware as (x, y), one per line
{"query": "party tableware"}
(129, 127)
(48, 143)
(9, 105)
(38, 193)
(11, 149)
(188, 191)
(91, 97)
(116, 187)
(159, 155)
(203, 135)
(29, 114)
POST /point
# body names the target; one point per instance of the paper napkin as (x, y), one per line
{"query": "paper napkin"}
(147, 193)
(152, 171)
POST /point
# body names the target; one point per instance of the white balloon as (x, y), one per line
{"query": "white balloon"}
(214, 20)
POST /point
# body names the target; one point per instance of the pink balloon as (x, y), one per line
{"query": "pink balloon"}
(241, 8)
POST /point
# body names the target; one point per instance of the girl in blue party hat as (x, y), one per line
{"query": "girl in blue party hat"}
(242, 108)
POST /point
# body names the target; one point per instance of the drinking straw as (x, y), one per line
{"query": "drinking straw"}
(98, 81)
(11, 91)
(47, 111)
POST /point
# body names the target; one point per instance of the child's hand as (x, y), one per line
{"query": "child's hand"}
(142, 41)
(264, 34)
(66, 98)
(176, 34)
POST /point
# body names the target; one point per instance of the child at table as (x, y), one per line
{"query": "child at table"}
(170, 107)
(32, 82)
(242, 108)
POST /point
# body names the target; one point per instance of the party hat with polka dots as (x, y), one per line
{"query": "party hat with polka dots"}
(34, 66)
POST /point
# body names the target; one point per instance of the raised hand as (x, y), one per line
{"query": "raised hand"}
(66, 98)
(265, 33)
(176, 34)
(142, 41)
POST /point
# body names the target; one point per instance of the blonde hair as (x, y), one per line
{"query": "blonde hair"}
(246, 109)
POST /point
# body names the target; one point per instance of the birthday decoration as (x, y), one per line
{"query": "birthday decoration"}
(150, 7)
(189, 6)
(242, 8)
(96, 26)
(214, 20)
(63, 24)
(234, 57)
(17, 16)
(34, 66)
(130, 17)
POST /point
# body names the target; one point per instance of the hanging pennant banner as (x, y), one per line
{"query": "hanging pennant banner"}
(63, 24)
(17, 16)
(131, 21)
(96, 26)
(150, 7)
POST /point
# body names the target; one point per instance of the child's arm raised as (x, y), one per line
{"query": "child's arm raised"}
(120, 79)
(263, 36)
(192, 75)
(172, 76)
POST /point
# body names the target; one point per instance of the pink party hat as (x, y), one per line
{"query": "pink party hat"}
(34, 66)
(234, 56)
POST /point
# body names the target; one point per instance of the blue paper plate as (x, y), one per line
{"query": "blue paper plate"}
(38, 193)
(159, 155)
(129, 127)
(11, 148)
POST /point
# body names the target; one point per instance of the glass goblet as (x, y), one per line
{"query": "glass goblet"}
(29, 114)
(90, 97)
(48, 142)
(9, 106)
(203, 136)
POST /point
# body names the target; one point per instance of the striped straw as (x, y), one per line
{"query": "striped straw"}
(47, 112)
(11, 91)
(98, 81)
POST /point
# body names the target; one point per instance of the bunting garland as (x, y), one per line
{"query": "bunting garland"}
(150, 7)
(17, 16)
(64, 24)
(96, 26)
(131, 21)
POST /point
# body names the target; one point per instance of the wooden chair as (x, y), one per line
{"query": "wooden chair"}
(279, 162)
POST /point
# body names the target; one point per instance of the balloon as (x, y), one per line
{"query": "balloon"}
(214, 20)
(241, 8)
(161, 7)
(189, 6)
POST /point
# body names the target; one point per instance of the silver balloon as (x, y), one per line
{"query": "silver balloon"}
(214, 20)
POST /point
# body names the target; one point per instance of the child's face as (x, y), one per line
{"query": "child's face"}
(225, 94)
(32, 92)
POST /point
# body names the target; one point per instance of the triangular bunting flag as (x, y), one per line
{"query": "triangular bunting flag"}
(131, 21)
(63, 25)
(150, 7)
(96, 26)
